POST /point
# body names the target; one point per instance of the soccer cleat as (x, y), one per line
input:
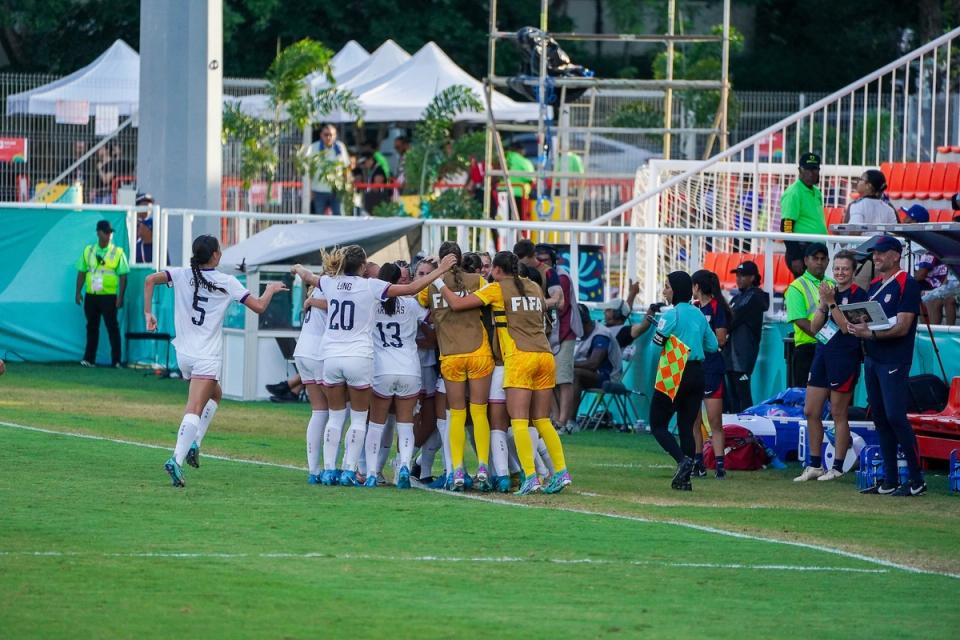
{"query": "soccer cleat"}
(459, 479)
(361, 477)
(682, 476)
(530, 485)
(328, 478)
(909, 490)
(483, 480)
(440, 482)
(336, 475)
(381, 479)
(350, 479)
(887, 490)
(558, 482)
(503, 484)
(403, 478)
(721, 474)
(831, 474)
(314, 479)
(193, 456)
(449, 482)
(467, 481)
(415, 470)
(88, 364)
(371, 481)
(809, 473)
(699, 471)
(176, 473)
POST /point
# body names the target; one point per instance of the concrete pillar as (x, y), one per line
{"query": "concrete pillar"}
(179, 151)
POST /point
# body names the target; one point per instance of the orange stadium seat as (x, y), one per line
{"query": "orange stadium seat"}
(950, 184)
(934, 184)
(710, 260)
(781, 275)
(834, 215)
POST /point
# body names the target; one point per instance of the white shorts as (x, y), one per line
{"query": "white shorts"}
(310, 370)
(428, 380)
(199, 368)
(354, 372)
(391, 385)
(441, 388)
(497, 394)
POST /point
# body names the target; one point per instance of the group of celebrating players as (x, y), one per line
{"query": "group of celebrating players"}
(372, 344)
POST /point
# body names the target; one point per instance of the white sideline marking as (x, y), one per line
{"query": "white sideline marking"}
(454, 559)
(628, 465)
(491, 500)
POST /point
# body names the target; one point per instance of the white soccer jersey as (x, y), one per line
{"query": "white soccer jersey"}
(312, 330)
(395, 338)
(351, 305)
(199, 322)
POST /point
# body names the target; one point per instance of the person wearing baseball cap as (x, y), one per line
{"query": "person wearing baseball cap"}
(801, 210)
(886, 368)
(916, 214)
(746, 326)
(802, 298)
(102, 273)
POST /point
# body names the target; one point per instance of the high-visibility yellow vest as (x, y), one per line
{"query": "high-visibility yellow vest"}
(102, 270)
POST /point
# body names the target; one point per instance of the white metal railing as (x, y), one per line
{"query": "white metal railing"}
(899, 113)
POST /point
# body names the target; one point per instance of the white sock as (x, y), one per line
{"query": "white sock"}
(541, 447)
(386, 442)
(542, 469)
(443, 427)
(513, 460)
(186, 436)
(372, 446)
(428, 453)
(355, 440)
(331, 438)
(206, 417)
(318, 421)
(499, 452)
(405, 446)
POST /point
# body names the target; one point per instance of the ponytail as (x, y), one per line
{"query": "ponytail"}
(452, 247)
(344, 261)
(203, 249)
(509, 263)
(390, 273)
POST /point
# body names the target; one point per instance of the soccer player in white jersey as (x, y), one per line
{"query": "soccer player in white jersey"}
(347, 348)
(309, 361)
(201, 297)
(396, 376)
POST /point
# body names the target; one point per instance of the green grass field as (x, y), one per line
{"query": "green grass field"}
(94, 543)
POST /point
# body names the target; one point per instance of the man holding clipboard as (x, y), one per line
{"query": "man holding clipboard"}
(889, 356)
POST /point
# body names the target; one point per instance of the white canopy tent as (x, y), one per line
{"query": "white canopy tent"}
(404, 93)
(113, 79)
(289, 243)
(350, 58)
(384, 60)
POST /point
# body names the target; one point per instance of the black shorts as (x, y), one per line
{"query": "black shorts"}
(712, 385)
(834, 371)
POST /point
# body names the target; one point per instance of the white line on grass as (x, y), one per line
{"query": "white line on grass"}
(491, 500)
(454, 559)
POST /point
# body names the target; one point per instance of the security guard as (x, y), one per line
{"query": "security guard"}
(102, 270)
(802, 299)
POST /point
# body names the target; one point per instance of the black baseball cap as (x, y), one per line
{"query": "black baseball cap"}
(104, 225)
(814, 248)
(810, 160)
(747, 268)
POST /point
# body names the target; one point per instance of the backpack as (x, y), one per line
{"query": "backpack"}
(743, 452)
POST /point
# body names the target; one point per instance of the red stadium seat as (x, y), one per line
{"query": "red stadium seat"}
(935, 184)
(941, 215)
(908, 187)
(950, 184)
(781, 275)
(710, 260)
(924, 176)
(834, 215)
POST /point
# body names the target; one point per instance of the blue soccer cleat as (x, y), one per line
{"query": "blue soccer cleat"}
(440, 482)
(459, 479)
(467, 482)
(503, 484)
(349, 479)
(371, 481)
(193, 456)
(529, 486)
(314, 478)
(558, 482)
(328, 478)
(403, 478)
(336, 475)
(483, 480)
(176, 473)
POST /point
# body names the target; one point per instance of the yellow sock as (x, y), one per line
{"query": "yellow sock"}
(481, 432)
(458, 435)
(552, 440)
(521, 438)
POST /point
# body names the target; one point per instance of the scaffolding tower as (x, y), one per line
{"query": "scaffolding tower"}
(560, 179)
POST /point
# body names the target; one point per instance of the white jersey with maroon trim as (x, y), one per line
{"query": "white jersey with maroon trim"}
(351, 306)
(312, 330)
(395, 338)
(199, 320)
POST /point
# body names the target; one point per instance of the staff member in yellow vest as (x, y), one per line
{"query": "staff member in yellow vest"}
(802, 299)
(102, 271)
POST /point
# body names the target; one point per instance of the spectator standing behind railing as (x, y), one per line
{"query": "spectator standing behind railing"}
(801, 210)
(871, 208)
(102, 271)
(144, 248)
(938, 283)
(746, 327)
(322, 196)
(802, 299)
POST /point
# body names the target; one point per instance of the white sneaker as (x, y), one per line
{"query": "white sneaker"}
(809, 473)
(832, 474)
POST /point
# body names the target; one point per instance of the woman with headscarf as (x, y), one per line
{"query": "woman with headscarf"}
(686, 338)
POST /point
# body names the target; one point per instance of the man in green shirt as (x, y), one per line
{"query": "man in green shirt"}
(520, 185)
(102, 272)
(802, 299)
(801, 210)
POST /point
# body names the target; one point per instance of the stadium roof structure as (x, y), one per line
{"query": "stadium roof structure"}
(302, 243)
(112, 79)
(404, 93)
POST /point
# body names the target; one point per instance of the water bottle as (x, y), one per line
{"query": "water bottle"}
(296, 302)
(775, 461)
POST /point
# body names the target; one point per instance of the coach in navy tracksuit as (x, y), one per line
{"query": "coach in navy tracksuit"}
(889, 355)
